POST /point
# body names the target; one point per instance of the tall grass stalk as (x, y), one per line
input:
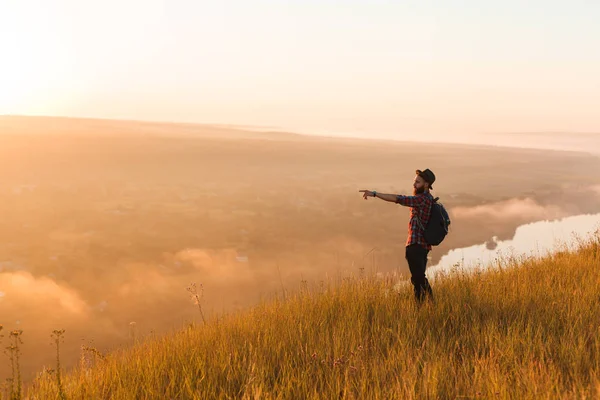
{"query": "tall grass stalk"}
(13, 351)
(57, 335)
(197, 297)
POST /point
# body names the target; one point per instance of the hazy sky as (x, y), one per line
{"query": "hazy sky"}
(374, 67)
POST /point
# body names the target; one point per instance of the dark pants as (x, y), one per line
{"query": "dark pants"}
(416, 255)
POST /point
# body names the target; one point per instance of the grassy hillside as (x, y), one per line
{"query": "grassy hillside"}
(529, 329)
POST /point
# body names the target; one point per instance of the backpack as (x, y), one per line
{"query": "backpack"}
(437, 227)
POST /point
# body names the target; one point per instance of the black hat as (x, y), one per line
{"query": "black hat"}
(428, 176)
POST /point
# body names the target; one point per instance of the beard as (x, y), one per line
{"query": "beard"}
(419, 190)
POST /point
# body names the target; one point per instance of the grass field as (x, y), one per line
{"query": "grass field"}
(526, 329)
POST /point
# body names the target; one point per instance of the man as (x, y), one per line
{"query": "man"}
(417, 248)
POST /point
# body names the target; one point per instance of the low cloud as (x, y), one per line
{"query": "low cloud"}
(32, 293)
(512, 209)
(39, 305)
(218, 266)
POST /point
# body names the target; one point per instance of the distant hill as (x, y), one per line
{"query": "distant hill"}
(64, 125)
(45, 125)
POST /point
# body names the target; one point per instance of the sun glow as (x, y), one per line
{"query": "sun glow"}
(32, 59)
(17, 84)
(16, 80)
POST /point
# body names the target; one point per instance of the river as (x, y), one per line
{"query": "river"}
(536, 239)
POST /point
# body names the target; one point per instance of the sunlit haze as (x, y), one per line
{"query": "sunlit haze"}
(208, 177)
(397, 69)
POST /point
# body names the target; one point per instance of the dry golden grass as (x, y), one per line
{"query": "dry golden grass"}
(529, 329)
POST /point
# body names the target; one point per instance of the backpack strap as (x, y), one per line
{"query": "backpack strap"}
(420, 223)
(419, 219)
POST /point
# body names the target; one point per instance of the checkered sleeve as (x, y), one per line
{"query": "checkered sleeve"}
(410, 201)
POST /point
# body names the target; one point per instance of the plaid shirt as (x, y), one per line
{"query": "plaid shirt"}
(420, 206)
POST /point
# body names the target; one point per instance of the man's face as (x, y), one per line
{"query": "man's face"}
(419, 185)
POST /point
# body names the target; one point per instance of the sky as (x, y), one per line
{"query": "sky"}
(396, 69)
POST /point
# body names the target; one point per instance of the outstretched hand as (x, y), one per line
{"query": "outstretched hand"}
(367, 193)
